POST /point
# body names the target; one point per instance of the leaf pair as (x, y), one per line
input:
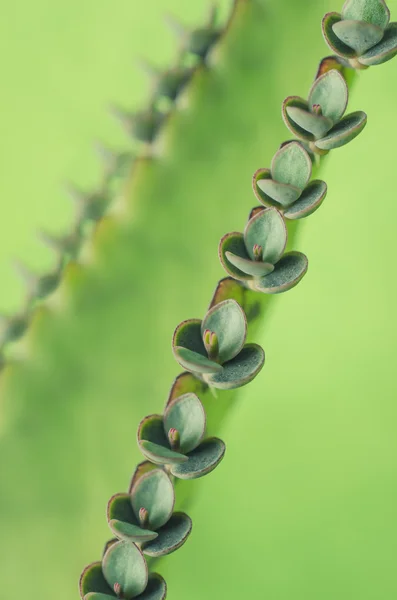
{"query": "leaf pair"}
(176, 439)
(257, 255)
(319, 120)
(145, 515)
(123, 573)
(362, 32)
(286, 185)
(214, 349)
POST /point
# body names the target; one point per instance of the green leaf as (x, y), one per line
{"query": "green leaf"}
(188, 335)
(310, 200)
(330, 92)
(317, 125)
(99, 596)
(241, 370)
(384, 51)
(292, 165)
(154, 492)
(107, 546)
(151, 428)
(287, 274)
(192, 361)
(124, 564)
(156, 588)
(344, 132)
(228, 321)
(268, 230)
(371, 11)
(336, 45)
(202, 460)
(358, 35)
(123, 521)
(280, 194)
(171, 537)
(300, 103)
(234, 243)
(93, 580)
(144, 467)
(262, 175)
(251, 267)
(186, 414)
(160, 455)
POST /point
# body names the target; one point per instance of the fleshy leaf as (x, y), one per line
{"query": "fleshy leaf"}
(358, 35)
(330, 92)
(241, 370)
(188, 335)
(123, 522)
(133, 533)
(156, 588)
(151, 428)
(268, 230)
(233, 242)
(344, 132)
(384, 51)
(107, 546)
(171, 537)
(287, 274)
(144, 467)
(332, 39)
(229, 288)
(124, 564)
(310, 200)
(93, 580)
(228, 321)
(192, 361)
(186, 414)
(291, 165)
(154, 492)
(160, 455)
(371, 11)
(280, 194)
(317, 125)
(185, 383)
(202, 460)
(99, 596)
(296, 102)
(251, 267)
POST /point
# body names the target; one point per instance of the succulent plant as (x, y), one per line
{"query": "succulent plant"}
(319, 120)
(122, 574)
(257, 257)
(214, 349)
(362, 33)
(176, 439)
(286, 185)
(145, 515)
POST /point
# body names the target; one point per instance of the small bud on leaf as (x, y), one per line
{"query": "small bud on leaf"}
(211, 344)
(174, 438)
(317, 110)
(143, 517)
(257, 251)
(118, 591)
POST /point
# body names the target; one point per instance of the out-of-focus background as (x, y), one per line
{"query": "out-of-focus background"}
(303, 505)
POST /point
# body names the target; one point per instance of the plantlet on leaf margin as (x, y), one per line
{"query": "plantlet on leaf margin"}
(362, 33)
(270, 272)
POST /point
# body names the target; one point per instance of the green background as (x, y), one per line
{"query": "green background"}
(304, 503)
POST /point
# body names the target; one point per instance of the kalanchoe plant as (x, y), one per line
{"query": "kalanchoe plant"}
(176, 439)
(145, 515)
(122, 574)
(319, 120)
(257, 257)
(362, 33)
(286, 185)
(214, 349)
